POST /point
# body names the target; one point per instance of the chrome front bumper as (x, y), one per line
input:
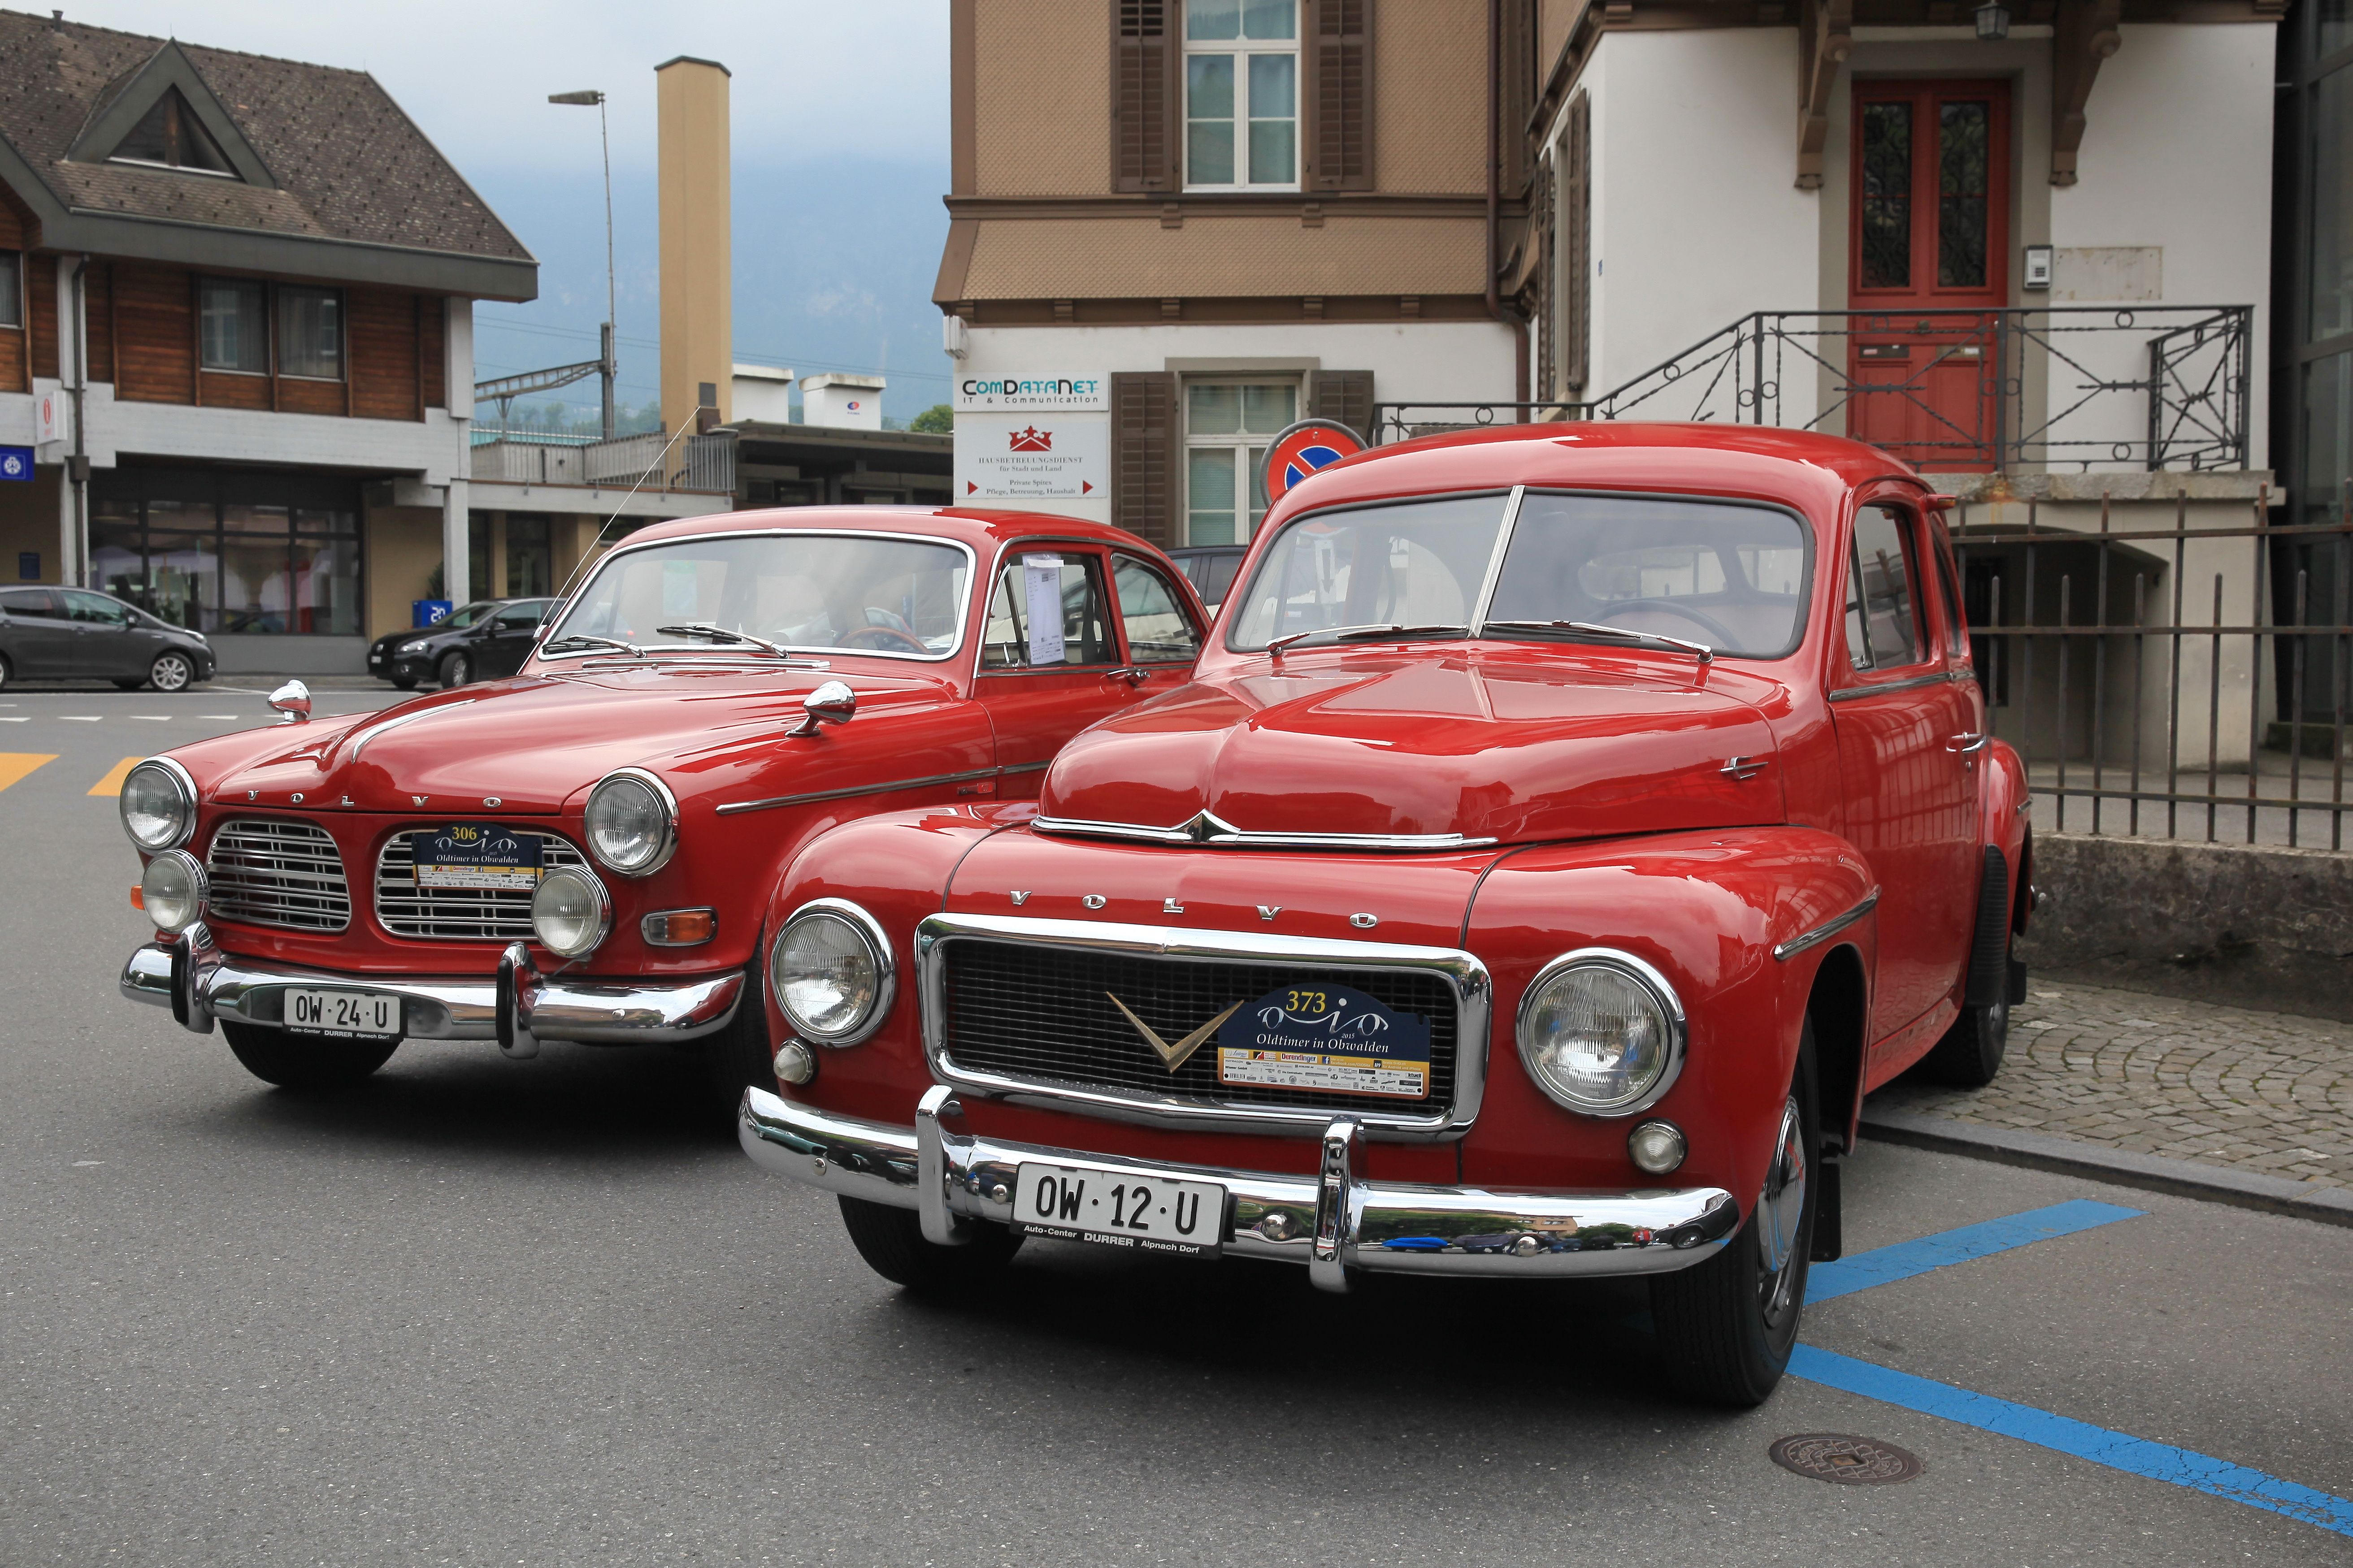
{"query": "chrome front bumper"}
(518, 1008)
(1332, 1222)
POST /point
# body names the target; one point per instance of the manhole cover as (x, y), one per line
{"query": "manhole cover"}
(1850, 1461)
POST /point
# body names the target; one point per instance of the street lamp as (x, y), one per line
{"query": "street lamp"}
(608, 367)
(1993, 21)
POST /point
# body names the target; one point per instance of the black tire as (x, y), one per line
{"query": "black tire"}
(404, 682)
(1972, 1051)
(1726, 1327)
(739, 1055)
(274, 1057)
(892, 1242)
(172, 672)
(8, 674)
(455, 669)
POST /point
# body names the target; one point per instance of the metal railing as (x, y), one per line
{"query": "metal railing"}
(2183, 682)
(2151, 387)
(702, 464)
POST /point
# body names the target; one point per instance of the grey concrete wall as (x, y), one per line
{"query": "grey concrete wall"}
(2263, 928)
(255, 653)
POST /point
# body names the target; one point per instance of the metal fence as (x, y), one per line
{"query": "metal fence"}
(650, 461)
(2182, 682)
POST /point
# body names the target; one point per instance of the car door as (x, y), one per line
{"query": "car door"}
(108, 643)
(506, 641)
(1909, 737)
(1157, 623)
(35, 634)
(1050, 661)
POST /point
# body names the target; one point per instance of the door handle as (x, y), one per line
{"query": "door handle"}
(1134, 675)
(1969, 745)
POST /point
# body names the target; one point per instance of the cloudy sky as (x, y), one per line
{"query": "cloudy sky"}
(841, 129)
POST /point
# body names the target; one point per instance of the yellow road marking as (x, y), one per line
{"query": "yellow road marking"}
(112, 782)
(15, 765)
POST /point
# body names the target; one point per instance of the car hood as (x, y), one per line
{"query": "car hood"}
(526, 745)
(1503, 745)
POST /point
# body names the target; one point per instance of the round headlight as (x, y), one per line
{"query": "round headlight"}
(570, 912)
(632, 822)
(158, 804)
(173, 890)
(832, 973)
(1601, 1032)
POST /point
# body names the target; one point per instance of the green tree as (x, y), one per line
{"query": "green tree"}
(939, 419)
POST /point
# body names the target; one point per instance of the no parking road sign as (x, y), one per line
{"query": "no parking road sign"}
(1303, 448)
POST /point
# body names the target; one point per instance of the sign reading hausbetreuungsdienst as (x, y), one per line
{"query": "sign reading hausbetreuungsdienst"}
(1031, 457)
(1089, 392)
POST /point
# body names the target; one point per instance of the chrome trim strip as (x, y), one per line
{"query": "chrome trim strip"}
(1390, 1227)
(446, 1008)
(1784, 952)
(815, 795)
(1909, 683)
(1339, 1206)
(1210, 832)
(360, 740)
(1662, 992)
(1486, 599)
(1464, 975)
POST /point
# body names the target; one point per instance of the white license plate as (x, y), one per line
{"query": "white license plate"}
(1150, 1214)
(343, 1015)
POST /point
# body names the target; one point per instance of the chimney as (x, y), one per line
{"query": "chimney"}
(698, 316)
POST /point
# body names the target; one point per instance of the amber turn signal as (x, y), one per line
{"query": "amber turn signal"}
(138, 897)
(680, 928)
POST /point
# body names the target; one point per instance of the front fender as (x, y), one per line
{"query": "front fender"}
(1707, 911)
(2002, 824)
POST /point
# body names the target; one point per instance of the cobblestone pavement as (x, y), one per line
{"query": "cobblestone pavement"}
(2265, 1093)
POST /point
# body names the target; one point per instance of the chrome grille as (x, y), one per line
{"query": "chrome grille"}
(267, 872)
(1044, 1013)
(456, 914)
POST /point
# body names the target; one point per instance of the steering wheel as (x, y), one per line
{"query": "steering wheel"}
(886, 637)
(1697, 618)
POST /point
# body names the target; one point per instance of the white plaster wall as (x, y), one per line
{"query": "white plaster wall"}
(1697, 216)
(1437, 361)
(432, 448)
(2177, 153)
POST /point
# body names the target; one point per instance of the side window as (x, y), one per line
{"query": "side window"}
(520, 618)
(28, 603)
(1957, 623)
(1882, 622)
(96, 608)
(1152, 612)
(1022, 631)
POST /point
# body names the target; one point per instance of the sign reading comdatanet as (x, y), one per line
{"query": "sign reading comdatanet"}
(1086, 393)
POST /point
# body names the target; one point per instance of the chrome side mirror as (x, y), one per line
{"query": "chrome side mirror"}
(292, 700)
(831, 703)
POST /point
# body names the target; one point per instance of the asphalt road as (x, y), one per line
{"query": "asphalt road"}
(490, 1312)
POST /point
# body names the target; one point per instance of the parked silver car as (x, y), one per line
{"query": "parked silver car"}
(76, 633)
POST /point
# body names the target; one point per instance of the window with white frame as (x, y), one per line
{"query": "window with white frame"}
(1241, 94)
(1228, 426)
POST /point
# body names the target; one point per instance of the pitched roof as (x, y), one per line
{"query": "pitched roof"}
(348, 165)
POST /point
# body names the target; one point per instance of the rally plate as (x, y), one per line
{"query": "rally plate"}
(1147, 1213)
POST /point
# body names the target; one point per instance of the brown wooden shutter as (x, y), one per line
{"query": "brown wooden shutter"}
(1577, 247)
(1339, 136)
(1544, 238)
(41, 311)
(1143, 95)
(1515, 95)
(1143, 437)
(1344, 396)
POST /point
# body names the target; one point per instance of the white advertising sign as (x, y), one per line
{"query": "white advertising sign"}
(1089, 392)
(1027, 457)
(1042, 593)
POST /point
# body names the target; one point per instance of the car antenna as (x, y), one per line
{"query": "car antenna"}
(589, 554)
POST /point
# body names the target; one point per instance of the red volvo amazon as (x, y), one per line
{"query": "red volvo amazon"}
(585, 851)
(1568, 825)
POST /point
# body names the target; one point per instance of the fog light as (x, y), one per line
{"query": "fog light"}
(173, 891)
(570, 912)
(795, 1063)
(1656, 1147)
(680, 928)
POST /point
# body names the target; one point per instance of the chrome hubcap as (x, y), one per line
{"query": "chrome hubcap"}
(1779, 1208)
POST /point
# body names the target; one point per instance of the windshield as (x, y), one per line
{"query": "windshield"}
(1729, 576)
(820, 593)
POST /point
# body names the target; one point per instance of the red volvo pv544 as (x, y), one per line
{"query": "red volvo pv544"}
(585, 851)
(1568, 826)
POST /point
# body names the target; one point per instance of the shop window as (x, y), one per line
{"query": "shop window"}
(531, 562)
(1227, 426)
(1241, 94)
(197, 559)
(311, 333)
(233, 324)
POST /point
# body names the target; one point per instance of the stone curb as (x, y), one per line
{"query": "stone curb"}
(2072, 1157)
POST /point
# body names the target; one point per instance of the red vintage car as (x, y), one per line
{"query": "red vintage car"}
(1568, 825)
(585, 851)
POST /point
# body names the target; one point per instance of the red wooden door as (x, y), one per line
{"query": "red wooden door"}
(1928, 261)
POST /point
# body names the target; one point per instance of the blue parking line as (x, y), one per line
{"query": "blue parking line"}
(1882, 1265)
(2117, 1451)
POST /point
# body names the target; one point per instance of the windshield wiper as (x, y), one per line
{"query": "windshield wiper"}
(710, 633)
(1360, 634)
(577, 641)
(1698, 650)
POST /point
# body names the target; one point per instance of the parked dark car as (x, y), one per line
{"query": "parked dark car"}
(76, 633)
(1210, 569)
(474, 642)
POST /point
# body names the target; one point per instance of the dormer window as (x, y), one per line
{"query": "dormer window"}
(171, 136)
